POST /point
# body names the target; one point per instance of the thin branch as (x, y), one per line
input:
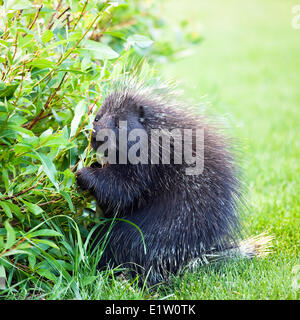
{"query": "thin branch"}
(35, 120)
(36, 16)
(81, 14)
(19, 193)
(68, 8)
(60, 15)
(13, 247)
(21, 84)
(50, 24)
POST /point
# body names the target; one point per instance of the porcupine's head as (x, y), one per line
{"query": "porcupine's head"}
(118, 108)
(129, 116)
(120, 113)
(148, 123)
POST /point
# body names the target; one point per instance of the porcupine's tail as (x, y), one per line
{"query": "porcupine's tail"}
(256, 246)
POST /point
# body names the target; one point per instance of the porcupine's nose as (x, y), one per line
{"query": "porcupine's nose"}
(94, 133)
(95, 136)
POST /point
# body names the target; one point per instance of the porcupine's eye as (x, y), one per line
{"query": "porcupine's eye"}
(116, 120)
(141, 113)
(97, 119)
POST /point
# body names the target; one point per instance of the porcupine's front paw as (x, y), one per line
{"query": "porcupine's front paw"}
(85, 178)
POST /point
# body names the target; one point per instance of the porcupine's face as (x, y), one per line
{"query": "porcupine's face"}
(118, 112)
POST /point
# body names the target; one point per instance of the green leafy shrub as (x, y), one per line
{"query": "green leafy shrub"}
(57, 60)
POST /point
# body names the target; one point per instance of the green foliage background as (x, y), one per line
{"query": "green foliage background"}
(57, 61)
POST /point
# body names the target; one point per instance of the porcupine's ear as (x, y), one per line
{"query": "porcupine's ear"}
(141, 109)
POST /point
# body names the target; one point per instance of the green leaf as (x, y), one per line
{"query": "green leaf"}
(21, 148)
(46, 134)
(54, 140)
(11, 236)
(27, 41)
(4, 43)
(33, 208)
(47, 274)
(20, 129)
(17, 119)
(8, 134)
(10, 57)
(69, 178)
(86, 62)
(31, 141)
(14, 252)
(47, 36)
(15, 209)
(98, 50)
(6, 209)
(32, 261)
(80, 110)
(7, 91)
(44, 232)
(139, 41)
(24, 245)
(48, 242)
(49, 168)
(68, 199)
(65, 265)
(41, 63)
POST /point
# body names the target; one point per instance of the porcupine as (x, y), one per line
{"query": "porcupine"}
(171, 220)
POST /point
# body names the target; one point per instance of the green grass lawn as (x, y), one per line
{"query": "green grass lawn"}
(247, 69)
